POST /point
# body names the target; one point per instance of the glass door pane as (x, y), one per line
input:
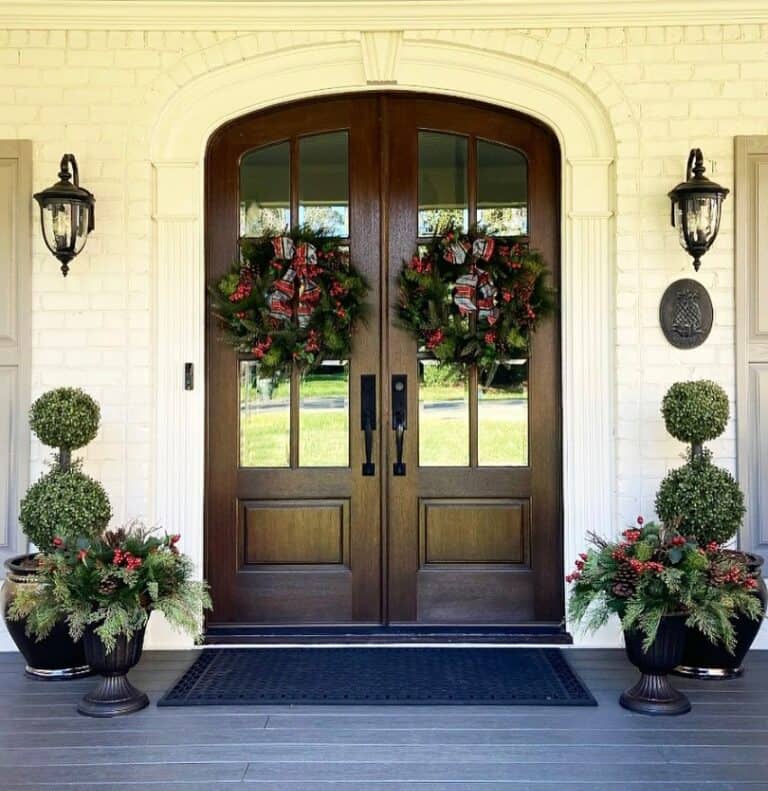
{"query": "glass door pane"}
(502, 189)
(442, 182)
(443, 416)
(502, 418)
(324, 182)
(265, 420)
(265, 190)
(324, 416)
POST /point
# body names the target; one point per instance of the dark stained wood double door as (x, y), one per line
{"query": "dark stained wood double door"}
(296, 534)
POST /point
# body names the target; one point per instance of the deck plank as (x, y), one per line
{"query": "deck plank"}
(722, 744)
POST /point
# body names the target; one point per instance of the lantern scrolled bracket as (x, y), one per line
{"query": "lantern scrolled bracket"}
(697, 208)
(66, 213)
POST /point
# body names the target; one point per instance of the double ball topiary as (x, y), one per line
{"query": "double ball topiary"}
(64, 502)
(695, 412)
(704, 500)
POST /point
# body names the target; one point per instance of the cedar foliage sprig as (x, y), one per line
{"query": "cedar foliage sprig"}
(112, 583)
(655, 571)
(426, 307)
(240, 300)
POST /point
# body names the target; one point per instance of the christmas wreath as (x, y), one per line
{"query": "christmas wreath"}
(291, 299)
(469, 298)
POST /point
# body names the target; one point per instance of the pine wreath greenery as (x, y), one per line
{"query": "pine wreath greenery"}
(291, 299)
(469, 298)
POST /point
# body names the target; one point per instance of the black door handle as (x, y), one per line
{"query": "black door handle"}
(399, 419)
(368, 419)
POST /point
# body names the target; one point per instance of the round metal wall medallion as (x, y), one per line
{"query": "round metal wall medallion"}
(685, 314)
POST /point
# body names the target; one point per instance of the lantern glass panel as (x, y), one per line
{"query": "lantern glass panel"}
(81, 214)
(698, 226)
(57, 226)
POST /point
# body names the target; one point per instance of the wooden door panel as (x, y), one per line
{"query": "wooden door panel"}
(454, 530)
(276, 532)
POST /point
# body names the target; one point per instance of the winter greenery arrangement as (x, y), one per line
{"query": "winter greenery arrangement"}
(655, 571)
(703, 499)
(291, 299)
(64, 502)
(114, 583)
(469, 298)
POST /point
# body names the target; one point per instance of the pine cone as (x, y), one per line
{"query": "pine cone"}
(108, 587)
(622, 590)
(626, 574)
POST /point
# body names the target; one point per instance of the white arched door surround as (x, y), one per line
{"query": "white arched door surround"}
(372, 61)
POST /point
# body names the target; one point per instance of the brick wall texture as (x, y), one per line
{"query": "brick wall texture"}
(97, 94)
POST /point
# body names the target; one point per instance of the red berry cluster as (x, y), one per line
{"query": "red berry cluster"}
(261, 348)
(130, 561)
(313, 341)
(712, 547)
(421, 265)
(678, 541)
(244, 287)
(434, 338)
(631, 535)
(490, 337)
(58, 542)
(579, 563)
(337, 290)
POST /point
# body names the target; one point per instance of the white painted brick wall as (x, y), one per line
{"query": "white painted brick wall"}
(96, 94)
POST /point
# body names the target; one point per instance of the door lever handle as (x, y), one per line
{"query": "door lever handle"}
(368, 419)
(398, 468)
(399, 419)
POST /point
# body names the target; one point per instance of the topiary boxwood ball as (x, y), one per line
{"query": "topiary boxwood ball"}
(705, 498)
(65, 418)
(695, 412)
(64, 503)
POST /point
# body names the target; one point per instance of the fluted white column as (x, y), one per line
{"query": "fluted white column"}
(179, 329)
(588, 290)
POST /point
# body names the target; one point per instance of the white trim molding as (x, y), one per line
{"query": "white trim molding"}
(250, 15)
(417, 61)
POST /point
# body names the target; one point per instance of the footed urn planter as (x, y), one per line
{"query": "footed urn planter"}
(114, 695)
(703, 659)
(56, 657)
(653, 693)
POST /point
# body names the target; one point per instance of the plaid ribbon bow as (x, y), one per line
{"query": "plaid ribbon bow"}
(302, 266)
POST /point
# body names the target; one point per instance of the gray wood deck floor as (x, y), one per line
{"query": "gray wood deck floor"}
(721, 744)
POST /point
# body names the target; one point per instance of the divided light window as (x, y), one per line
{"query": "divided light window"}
(298, 422)
(469, 181)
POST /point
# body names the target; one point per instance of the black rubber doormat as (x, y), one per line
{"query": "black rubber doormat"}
(380, 676)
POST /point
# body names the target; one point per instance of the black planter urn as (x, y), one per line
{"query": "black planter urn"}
(653, 694)
(114, 695)
(703, 659)
(55, 658)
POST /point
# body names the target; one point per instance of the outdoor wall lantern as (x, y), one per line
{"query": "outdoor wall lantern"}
(66, 213)
(696, 208)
